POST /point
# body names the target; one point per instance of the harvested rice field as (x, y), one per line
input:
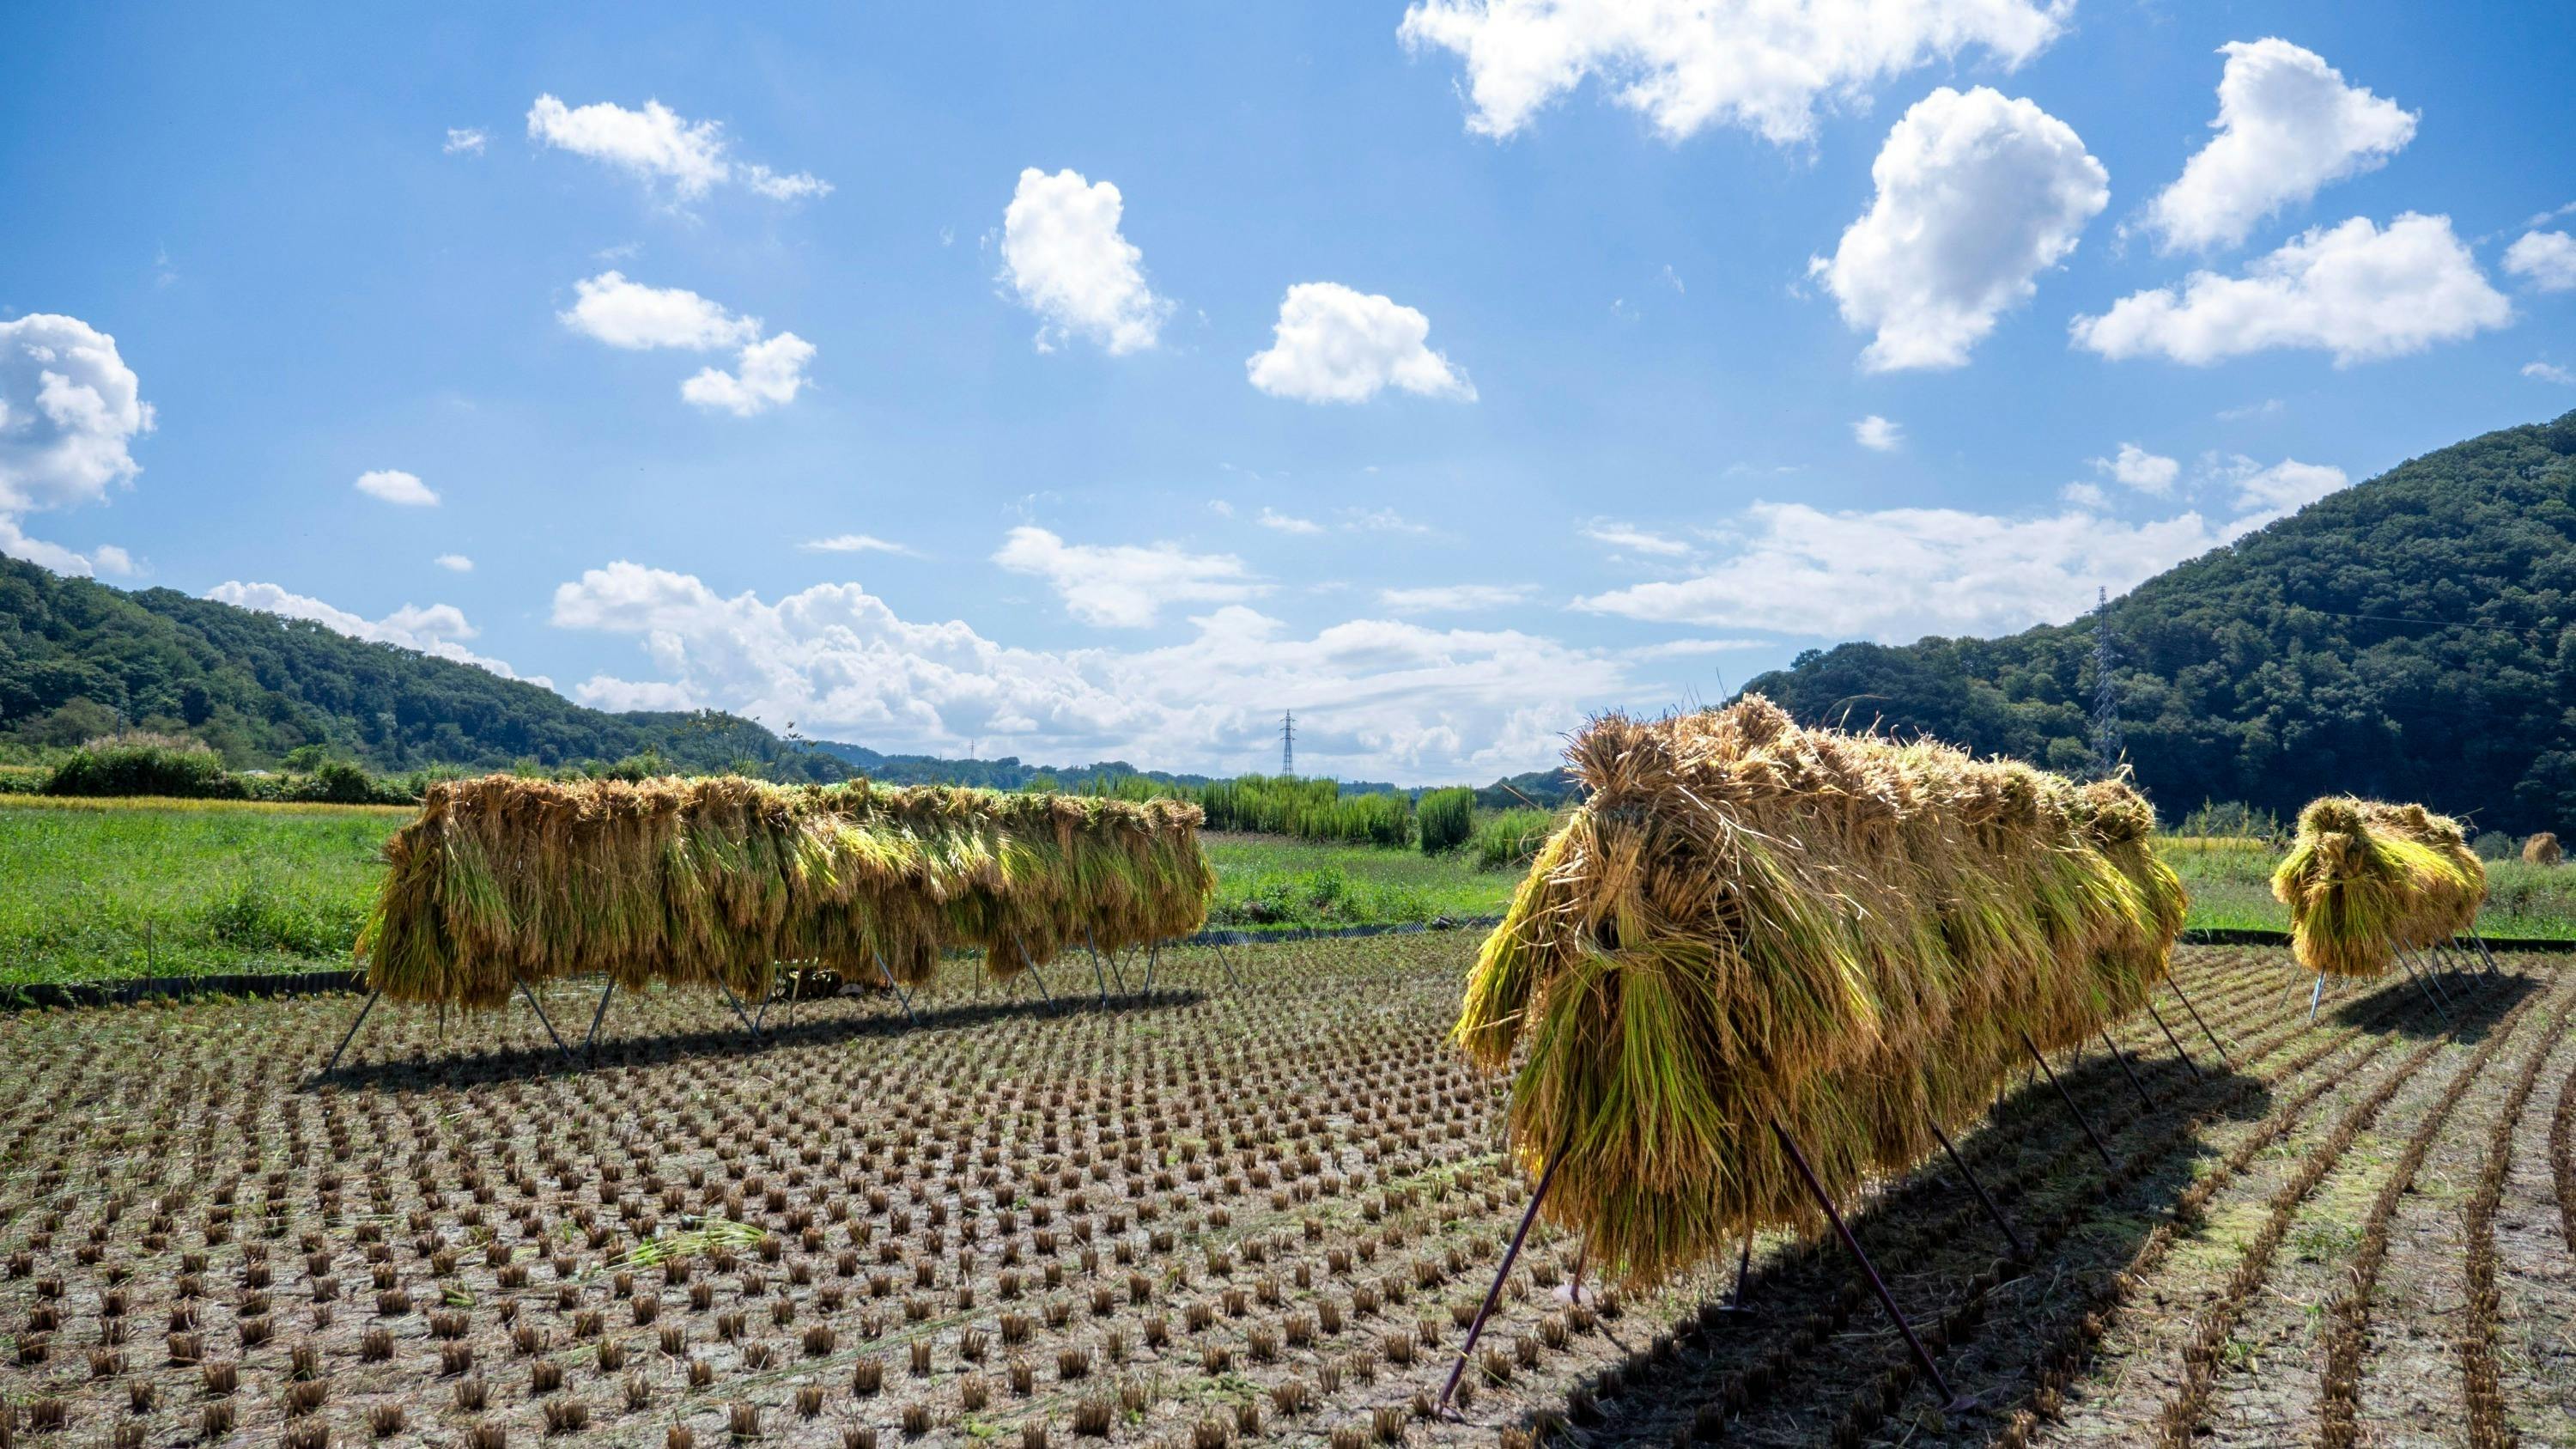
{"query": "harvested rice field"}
(1259, 1205)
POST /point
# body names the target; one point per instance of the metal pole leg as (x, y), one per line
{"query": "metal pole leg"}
(2214, 1044)
(541, 1016)
(1225, 957)
(2481, 943)
(1743, 1274)
(1151, 956)
(1502, 1273)
(353, 1030)
(1096, 973)
(2171, 1041)
(2068, 1098)
(590, 1043)
(1886, 1300)
(2424, 967)
(1033, 975)
(2438, 1008)
(2122, 1058)
(2316, 994)
(895, 986)
(2020, 1249)
(739, 1013)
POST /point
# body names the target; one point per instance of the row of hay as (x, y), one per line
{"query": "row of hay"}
(1750, 921)
(713, 881)
(2365, 880)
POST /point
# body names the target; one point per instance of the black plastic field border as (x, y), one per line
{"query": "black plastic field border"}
(45, 995)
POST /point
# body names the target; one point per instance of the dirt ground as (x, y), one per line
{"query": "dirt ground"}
(1261, 1203)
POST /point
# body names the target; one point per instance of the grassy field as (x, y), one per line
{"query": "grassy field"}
(108, 889)
(2231, 888)
(105, 889)
(1258, 1208)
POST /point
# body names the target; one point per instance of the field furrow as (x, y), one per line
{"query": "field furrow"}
(1261, 1205)
(2535, 1342)
(2348, 1319)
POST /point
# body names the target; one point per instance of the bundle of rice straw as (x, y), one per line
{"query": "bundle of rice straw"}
(2364, 880)
(2543, 849)
(1749, 921)
(713, 881)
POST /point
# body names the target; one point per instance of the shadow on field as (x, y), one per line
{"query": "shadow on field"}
(823, 1023)
(2400, 1006)
(1811, 1359)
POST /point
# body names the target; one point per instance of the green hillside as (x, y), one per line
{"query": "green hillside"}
(2413, 638)
(78, 659)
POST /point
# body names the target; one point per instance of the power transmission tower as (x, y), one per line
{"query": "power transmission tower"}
(2107, 745)
(1288, 743)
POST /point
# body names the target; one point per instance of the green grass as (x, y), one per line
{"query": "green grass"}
(2231, 889)
(1268, 880)
(106, 889)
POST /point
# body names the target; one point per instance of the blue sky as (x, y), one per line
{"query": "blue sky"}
(1443, 373)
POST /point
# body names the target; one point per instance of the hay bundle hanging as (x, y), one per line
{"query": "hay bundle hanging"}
(711, 882)
(1749, 922)
(2543, 849)
(2364, 880)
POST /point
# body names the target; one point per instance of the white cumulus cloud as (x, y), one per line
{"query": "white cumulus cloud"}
(1878, 434)
(1454, 598)
(609, 308)
(659, 147)
(465, 141)
(2287, 125)
(69, 408)
(1900, 573)
(2545, 259)
(1629, 538)
(767, 374)
(1977, 195)
(2353, 290)
(1333, 344)
(2135, 467)
(851, 543)
(1125, 585)
(15, 543)
(2549, 372)
(437, 629)
(1287, 523)
(395, 486)
(1064, 257)
(1373, 696)
(1685, 65)
(455, 563)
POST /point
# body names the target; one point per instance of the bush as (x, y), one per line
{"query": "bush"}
(2231, 820)
(1445, 818)
(1306, 809)
(135, 763)
(1510, 839)
(2492, 845)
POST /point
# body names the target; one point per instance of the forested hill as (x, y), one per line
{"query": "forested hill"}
(78, 658)
(2412, 638)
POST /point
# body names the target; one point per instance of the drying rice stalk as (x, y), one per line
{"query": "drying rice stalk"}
(1750, 922)
(712, 882)
(2365, 880)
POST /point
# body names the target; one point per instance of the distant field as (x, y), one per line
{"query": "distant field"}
(2231, 888)
(103, 889)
